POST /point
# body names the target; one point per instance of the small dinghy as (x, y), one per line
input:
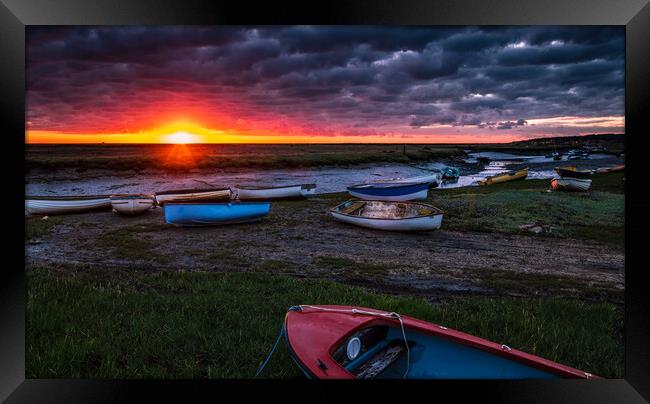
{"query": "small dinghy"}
(390, 191)
(382, 215)
(58, 205)
(280, 192)
(132, 204)
(344, 342)
(570, 184)
(572, 172)
(210, 214)
(432, 179)
(507, 176)
(190, 195)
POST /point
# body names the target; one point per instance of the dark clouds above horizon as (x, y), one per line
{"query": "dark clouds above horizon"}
(345, 79)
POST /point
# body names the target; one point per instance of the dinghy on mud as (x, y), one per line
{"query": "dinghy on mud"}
(345, 342)
(389, 191)
(211, 214)
(507, 176)
(191, 195)
(572, 172)
(383, 215)
(132, 204)
(59, 205)
(245, 193)
(570, 184)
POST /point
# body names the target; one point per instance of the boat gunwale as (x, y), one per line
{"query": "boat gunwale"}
(382, 185)
(133, 196)
(191, 191)
(436, 212)
(219, 203)
(66, 197)
(262, 188)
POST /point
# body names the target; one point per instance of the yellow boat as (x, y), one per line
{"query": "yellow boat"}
(509, 176)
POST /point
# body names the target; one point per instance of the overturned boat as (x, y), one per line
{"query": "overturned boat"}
(390, 191)
(132, 204)
(383, 215)
(190, 195)
(345, 342)
(432, 179)
(280, 192)
(570, 184)
(507, 176)
(210, 214)
(58, 205)
(572, 172)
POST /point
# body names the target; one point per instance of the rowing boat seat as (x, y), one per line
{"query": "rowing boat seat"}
(380, 361)
(348, 210)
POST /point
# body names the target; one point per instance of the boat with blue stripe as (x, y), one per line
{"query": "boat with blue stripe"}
(210, 214)
(390, 191)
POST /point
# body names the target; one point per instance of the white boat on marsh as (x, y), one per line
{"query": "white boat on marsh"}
(246, 192)
(385, 215)
(433, 179)
(57, 205)
(570, 184)
(192, 195)
(132, 204)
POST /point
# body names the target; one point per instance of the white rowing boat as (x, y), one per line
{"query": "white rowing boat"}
(570, 184)
(192, 195)
(384, 215)
(57, 205)
(265, 193)
(132, 204)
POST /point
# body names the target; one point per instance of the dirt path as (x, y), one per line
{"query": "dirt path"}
(299, 238)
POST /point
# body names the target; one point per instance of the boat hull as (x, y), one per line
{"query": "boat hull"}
(433, 180)
(611, 169)
(390, 191)
(570, 184)
(496, 179)
(65, 205)
(262, 193)
(572, 172)
(193, 195)
(212, 214)
(389, 220)
(132, 205)
(317, 337)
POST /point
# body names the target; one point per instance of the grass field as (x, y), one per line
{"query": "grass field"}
(97, 322)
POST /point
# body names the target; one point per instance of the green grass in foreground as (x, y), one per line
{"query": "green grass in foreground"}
(106, 323)
(598, 214)
(36, 227)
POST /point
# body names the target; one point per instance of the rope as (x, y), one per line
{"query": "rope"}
(373, 313)
(271, 353)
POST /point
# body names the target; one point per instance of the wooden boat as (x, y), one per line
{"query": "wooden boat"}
(210, 214)
(432, 179)
(507, 176)
(383, 215)
(620, 167)
(346, 342)
(389, 191)
(58, 205)
(280, 192)
(132, 204)
(572, 172)
(570, 184)
(189, 195)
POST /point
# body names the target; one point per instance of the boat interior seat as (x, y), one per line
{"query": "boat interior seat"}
(348, 210)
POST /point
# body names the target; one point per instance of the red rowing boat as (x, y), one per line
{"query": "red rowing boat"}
(345, 342)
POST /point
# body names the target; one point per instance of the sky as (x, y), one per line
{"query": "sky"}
(322, 84)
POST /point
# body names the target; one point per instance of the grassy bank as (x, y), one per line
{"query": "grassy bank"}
(105, 323)
(597, 215)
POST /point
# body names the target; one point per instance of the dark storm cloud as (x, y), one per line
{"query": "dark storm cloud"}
(342, 77)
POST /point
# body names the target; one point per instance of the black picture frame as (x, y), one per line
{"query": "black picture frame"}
(16, 14)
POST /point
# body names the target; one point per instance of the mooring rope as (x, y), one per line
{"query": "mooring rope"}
(272, 351)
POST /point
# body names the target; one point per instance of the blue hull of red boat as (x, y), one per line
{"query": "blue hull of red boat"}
(209, 214)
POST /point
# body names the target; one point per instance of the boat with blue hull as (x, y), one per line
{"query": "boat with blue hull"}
(347, 342)
(387, 191)
(211, 214)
